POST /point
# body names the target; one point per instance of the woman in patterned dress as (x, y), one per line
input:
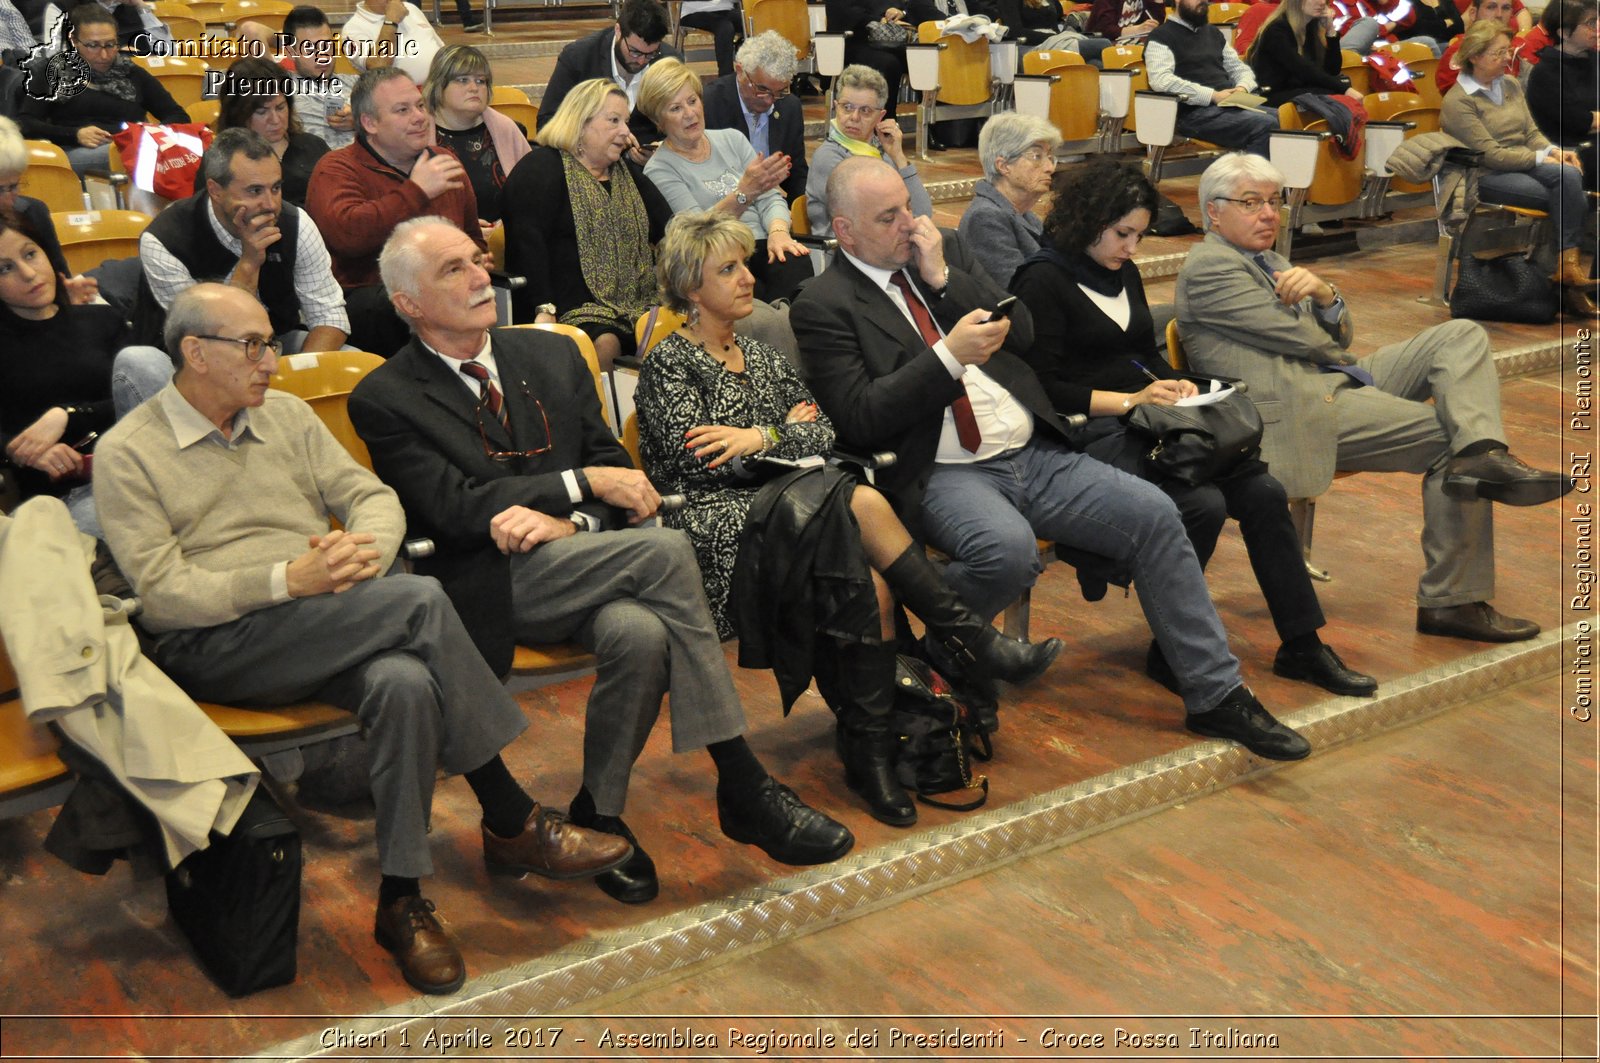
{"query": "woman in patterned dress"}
(712, 408)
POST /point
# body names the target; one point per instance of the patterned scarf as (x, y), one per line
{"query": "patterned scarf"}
(614, 252)
(850, 144)
(114, 82)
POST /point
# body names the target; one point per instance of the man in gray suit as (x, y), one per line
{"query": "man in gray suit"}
(1245, 312)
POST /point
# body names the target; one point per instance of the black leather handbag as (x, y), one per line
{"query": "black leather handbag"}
(939, 737)
(1507, 288)
(1199, 444)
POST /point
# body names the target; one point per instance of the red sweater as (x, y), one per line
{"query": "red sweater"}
(357, 199)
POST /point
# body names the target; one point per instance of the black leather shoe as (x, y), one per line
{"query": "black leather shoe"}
(868, 760)
(635, 881)
(1017, 661)
(1498, 476)
(1478, 621)
(1241, 718)
(781, 825)
(1157, 668)
(1323, 668)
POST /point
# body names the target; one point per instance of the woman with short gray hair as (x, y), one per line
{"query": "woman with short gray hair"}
(1018, 156)
(859, 127)
(803, 564)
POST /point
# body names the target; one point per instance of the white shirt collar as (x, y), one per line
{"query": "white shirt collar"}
(485, 355)
(190, 426)
(880, 277)
(1470, 85)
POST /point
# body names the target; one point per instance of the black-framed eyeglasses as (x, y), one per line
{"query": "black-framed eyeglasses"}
(1253, 204)
(641, 53)
(510, 455)
(758, 89)
(254, 346)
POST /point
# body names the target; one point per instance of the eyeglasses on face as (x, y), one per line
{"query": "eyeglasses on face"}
(648, 52)
(1253, 204)
(853, 108)
(254, 346)
(762, 91)
(98, 46)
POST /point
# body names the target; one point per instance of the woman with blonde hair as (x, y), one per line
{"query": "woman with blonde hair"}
(1487, 111)
(457, 93)
(1296, 52)
(716, 169)
(582, 221)
(806, 566)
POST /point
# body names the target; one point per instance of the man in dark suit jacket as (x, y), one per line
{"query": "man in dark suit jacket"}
(619, 53)
(497, 448)
(900, 350)
(758, 90)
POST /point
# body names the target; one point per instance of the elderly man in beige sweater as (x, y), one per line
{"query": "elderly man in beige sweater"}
(216, 496)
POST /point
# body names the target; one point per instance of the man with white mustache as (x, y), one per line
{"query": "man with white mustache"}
(361, 192)
(495, 443)
(238, 230)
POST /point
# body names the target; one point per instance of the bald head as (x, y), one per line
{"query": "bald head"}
(871, 211)
(202, 309)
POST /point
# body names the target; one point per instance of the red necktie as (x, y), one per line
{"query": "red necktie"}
(491, 394)
(966, 424)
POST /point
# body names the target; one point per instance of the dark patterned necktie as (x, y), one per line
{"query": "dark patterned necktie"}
(486, 389)
(1361, 377)
(966, 423)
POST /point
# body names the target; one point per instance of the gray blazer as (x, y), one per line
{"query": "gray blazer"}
(996, 234)
(1232, 325)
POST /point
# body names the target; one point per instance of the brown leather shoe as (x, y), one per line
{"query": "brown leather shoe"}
(428, 958)
(1478, 621)
(553, 846)
(1578, 304)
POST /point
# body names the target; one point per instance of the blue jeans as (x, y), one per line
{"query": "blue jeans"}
(1361, 35)
(136, 374)
(1244, 128)
(988, 515)
(1549, 187)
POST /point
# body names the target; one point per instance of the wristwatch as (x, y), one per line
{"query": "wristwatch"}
(546, 308)
(740, 198)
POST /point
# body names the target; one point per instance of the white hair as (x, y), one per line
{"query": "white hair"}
(1223, 178)
(771, 53)
(1009, 135)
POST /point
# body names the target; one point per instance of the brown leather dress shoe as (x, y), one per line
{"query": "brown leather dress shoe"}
(1500, 476)
(553, 846)
(428, 958)
(1478, 621)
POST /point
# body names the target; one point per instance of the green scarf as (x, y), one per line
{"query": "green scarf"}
(613, 232)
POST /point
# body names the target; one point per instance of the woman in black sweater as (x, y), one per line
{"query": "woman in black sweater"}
(1093, 344)
(1296, 52)
(116, 92)
(56, 367)
(1562, 87)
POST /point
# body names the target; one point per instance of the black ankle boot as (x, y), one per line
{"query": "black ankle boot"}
(860, 687)
(971, 642)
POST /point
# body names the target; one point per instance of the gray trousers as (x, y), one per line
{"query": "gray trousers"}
(1391, 428)
(635, 600)
(392, 651)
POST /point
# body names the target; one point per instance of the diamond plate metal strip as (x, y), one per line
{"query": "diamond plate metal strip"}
(945, 191)
(1532, 358)
(938, 856)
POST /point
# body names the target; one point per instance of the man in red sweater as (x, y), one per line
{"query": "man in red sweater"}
(361, 192)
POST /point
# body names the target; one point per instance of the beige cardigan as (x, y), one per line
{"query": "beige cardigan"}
(1505, 134)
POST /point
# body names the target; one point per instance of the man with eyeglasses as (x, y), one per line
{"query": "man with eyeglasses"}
(497, 447)
(218, 494)
(1246, 313)
(237, 229)
(755, 100)
(619, 53)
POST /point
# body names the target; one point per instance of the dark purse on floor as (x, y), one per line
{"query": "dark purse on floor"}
(938, 737)
(1199, 444)
(1508, 288)
(238, 900)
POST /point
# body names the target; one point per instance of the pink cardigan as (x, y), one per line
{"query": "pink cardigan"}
(509, 143)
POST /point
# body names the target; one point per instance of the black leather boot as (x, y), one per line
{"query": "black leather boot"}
(861, 690)
(970, 642)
